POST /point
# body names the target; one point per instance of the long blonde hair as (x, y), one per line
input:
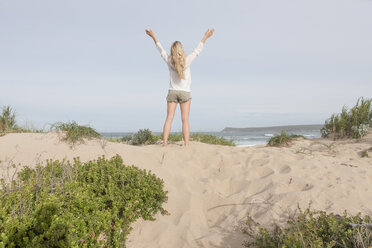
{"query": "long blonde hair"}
(178, 58)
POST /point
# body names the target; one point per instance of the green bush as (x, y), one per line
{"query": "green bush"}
(312, 229)
(211, 139)
(365, 153)
(75, 133)
(353, 123)
(143, 137)
(77, 204)
(283, 139)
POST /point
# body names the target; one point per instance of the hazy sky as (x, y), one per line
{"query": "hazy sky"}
(269, 62)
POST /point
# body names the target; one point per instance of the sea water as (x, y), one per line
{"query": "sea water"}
(251, 136)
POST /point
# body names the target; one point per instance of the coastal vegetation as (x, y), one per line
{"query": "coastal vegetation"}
(211, 139)
(77, 204)
(365, 153)
(283, 139)
(8, 123)
(350, 123)
(7, 119)
(75, 133)
(312, 229)
(142, 137)
(146, 137)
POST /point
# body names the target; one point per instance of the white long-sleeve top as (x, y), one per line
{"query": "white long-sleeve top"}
(177, 83)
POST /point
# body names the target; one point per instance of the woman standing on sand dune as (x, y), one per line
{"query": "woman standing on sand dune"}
(180, 79)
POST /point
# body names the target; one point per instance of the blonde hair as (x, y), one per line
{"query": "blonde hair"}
(178, 58)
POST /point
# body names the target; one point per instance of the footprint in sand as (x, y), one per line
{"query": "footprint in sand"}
(293, 187)
(259, 162)
(262, 172)
(285, 169)
(306, 187)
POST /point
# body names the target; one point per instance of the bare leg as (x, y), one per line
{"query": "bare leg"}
(171, 109)
(185, 111)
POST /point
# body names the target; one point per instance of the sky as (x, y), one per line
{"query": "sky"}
(268, 63)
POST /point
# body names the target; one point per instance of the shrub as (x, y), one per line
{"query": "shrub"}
(353, 123)
(74, 132)
(211, 139)
(365, 153)
(77, 204)
(126, 138)
(312, 229)
(143, 137)
(283, 139)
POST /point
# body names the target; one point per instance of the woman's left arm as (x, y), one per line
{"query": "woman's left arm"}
(163, 53)
(151, 33)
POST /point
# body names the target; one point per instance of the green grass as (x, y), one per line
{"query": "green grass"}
(115, 140)
(75, 133)
(283, 139)
(312, 229)
(350, 123)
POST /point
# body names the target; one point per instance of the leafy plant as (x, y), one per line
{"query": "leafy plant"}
(126, 138)
(283, 139)
(77, 204)
(211, 139)
(353, 123)
(143, 136)
(365, 153)
(312, 229)
(74, 133)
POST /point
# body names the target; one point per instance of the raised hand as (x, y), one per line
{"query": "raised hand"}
(151, 33)
(207, 34)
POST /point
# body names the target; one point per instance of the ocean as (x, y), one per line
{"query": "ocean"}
(250, 136)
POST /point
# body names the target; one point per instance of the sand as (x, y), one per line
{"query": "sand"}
(211, 188)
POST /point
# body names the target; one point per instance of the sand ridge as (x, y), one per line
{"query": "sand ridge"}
(211, 188)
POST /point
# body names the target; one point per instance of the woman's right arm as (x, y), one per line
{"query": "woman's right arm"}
(163, 53)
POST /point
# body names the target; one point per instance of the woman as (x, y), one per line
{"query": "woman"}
(180, 80)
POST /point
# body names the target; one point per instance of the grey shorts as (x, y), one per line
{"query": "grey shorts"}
(178, 96)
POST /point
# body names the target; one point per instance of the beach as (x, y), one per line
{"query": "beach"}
(212, 188)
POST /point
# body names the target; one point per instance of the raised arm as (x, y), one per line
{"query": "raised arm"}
(199, 48)
(163, 53)
(151, 33)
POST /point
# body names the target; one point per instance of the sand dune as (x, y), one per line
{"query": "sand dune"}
(211, 188)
